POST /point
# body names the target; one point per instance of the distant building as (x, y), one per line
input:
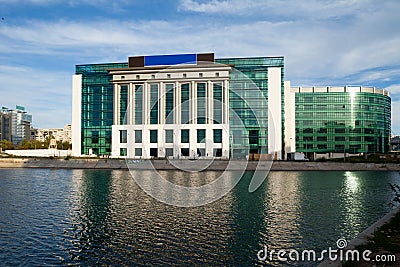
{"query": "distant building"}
(395, 143)
(20, 124)
(59, 134)
(5, 126)
(67, 131)
(33, 133)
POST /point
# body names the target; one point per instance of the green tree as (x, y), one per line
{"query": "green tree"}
(6, 145)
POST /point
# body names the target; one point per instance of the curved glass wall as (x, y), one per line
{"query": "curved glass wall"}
(342, 122)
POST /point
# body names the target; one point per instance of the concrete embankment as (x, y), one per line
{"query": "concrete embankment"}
(192, 165)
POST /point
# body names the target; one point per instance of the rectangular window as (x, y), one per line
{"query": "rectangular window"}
(185, 94)
(95, 137)
(184, 136)
(217, 135)
(201, 103)
(169, 136)
(169, 152)
(368, 131)
(218, 94)
(201, 152)
(123, 104)
(185, 152)
(340, 138)
(153, 136)
(108, 137)
(340, 130)
(217, 152)
(201, 136)
(138, 104)
(339, 148)
(138, 152)
(169, 103)
(123, 136)
(138, 136)
(355, 138)
(253, 137)
(122, 152)
(153, 103)
(153, 152)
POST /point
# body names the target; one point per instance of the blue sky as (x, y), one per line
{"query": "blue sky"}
(353, 42)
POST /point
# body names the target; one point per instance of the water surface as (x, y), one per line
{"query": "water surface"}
(101, 217)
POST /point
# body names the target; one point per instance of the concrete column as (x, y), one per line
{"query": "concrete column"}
(225, 108)
(116, 104)
(146, 103)
(161, 103)
(193, 104)
(131, 104)
(177, 100)
(275, 112)
(76, 114)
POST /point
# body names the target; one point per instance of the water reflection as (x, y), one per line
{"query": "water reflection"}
(89, 214)
(282, 210)
(352, 200)
(92, 217)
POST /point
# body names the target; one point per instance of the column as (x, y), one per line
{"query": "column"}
(225, 108)
(193, 98)
(116, 104)
(177, 100)
(161, 103)
(146, 103)
(131, 104)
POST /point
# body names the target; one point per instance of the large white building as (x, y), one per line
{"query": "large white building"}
(179, 106)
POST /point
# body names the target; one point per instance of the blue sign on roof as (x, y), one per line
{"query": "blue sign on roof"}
(170, 59)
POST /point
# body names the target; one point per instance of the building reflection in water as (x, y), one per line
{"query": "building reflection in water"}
(282, 213)
(115, 222)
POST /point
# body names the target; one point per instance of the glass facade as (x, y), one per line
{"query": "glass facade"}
(97, 107)
(247, 85)
(342, 122)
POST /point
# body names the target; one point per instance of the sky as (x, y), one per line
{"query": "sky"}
(324, 42)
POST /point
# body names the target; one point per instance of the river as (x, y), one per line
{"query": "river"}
(102, 217)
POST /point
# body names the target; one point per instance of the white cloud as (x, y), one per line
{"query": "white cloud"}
(394, 89)
(317, 47)
(45, 95)
(293, 9)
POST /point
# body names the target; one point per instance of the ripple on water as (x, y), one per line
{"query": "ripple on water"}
(87, 217)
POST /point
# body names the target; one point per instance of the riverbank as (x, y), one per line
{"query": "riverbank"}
(217, 165)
